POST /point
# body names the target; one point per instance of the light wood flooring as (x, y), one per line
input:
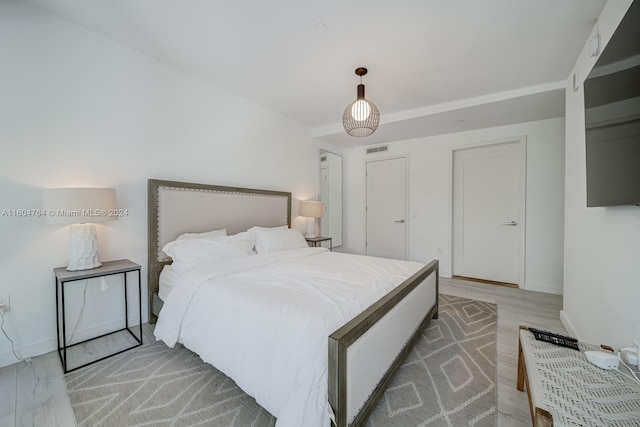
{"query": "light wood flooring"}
(34, 394)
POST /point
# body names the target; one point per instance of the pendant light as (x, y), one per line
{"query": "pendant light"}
(361, 117)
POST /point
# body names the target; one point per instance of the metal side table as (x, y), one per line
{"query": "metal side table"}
(108, 268)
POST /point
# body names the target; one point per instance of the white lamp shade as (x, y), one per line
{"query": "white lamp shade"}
(310, 209)
(79, 205)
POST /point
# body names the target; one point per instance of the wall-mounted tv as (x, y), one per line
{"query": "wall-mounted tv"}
(612, 118)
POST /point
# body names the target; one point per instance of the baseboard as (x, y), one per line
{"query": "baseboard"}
(487, 282)
(547, 289)
(48, 346)
(7, 359)
(566, 322)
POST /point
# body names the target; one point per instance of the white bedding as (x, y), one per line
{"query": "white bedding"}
(264, 320)
(167, 281)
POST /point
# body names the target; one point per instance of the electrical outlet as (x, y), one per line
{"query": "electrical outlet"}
(4, 303)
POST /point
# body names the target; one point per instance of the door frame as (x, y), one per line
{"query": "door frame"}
(407, 221)
(322, 151)
(522, 141)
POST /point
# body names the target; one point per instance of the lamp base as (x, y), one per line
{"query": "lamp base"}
(83, 247)
(311, 228)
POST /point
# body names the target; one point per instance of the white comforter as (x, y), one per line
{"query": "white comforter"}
(264, 320)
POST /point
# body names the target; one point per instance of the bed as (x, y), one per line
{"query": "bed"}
(342, 359)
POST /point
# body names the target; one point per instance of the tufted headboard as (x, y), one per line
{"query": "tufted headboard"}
(182, 207)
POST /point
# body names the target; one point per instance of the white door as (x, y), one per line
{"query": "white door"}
(488, 215)
(386, 210)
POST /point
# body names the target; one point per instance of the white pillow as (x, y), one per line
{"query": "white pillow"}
(253, 230)
(189, 251)
(270, 239)
(205, 235)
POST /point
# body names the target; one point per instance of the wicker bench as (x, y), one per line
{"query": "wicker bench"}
(564, 389)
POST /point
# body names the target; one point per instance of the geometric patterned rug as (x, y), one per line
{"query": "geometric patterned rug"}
(448, 379)
(154, 385)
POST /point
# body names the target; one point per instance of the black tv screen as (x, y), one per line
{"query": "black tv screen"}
(612, 118)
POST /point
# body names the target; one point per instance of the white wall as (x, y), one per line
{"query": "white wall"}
(602, 245)
(429, 192)
(79, 110)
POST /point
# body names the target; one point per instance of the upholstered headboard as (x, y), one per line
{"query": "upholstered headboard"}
(181, 207)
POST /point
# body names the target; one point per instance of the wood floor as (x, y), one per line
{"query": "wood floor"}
(35, 394)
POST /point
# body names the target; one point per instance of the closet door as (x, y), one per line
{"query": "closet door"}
(386, 209)
(488, 212)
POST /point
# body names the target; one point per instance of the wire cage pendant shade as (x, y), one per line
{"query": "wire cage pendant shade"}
(361, 117)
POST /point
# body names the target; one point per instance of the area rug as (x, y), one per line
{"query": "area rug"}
(449, 379)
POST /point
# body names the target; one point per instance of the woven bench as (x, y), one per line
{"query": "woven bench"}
(564, 389)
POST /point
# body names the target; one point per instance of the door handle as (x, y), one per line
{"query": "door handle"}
(399, 221)
(511, 223)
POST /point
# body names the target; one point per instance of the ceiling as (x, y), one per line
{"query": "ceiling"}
(435, 66)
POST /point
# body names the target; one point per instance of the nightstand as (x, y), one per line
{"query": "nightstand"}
(108, 268)
(317, 241)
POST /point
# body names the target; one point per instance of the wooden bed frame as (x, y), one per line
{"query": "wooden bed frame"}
(365, 353)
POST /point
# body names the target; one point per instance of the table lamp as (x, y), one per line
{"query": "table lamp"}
(80, 207)
(311, 210)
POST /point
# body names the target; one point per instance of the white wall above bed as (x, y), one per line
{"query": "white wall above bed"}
(79, 110)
